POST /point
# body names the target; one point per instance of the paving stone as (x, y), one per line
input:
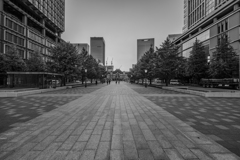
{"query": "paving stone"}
(201, 155)
(106, 135)
(116, 155)
(67, 145)
(145, 155)
(127, 135)
(59, 155)
(93, 142)
(117, 143)
(98, 130)
(85, 135)
(48, 152)
(103, 151)
(130, 151)
(148, 135)
(173, 154)
(140, 142)
(222, 127)
(224, 156)
(88, 155)
(108, 125)
(156, 149)
(91, 125)
(30, 155)
(45, 143)
(73, 155)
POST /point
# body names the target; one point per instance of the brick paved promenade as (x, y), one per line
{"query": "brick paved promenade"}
(113, 122)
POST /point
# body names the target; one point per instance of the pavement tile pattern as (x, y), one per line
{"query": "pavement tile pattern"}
(218, 118)
(14, 111)
(113, 123)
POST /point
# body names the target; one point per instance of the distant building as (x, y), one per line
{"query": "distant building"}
(143, 45)
(97, 45)
(80, 47)
(31, 25)
(173, 37)
(109, 68)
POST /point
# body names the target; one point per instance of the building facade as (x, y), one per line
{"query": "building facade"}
(31, 25)
(97, 45)
(143, 45)
(80, 47)
(211, 21)
(173, 37)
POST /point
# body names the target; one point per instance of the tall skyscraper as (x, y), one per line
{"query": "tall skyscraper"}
(97, 45)
(31, 25)
(80, 47)
(143, 45)
(195, 11)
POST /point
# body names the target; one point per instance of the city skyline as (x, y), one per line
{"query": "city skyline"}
(121, 23)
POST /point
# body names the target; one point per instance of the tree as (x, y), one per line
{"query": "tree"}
(36, 63)
(197, 62)
(65, 59)
(12, 61)
(148, 63)
(224, 63)
(167, 61)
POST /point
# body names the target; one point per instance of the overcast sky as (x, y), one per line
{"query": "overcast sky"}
(121, 23)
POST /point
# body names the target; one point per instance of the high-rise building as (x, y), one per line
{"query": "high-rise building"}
(31, 25)
(208, 20)
(97, 45)
(196, 11)
(143, 45)
(80, 47)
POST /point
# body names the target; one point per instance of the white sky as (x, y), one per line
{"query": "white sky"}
(121, 23)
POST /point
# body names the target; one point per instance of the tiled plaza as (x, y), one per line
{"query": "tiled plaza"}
(113, 122)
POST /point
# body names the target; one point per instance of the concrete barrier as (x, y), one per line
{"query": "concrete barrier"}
(232, 94)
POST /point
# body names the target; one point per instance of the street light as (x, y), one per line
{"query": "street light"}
(86, 78)
(208, 59)
(145, 78)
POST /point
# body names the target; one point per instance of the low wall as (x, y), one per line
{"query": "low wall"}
(16, 94)
(232, 94)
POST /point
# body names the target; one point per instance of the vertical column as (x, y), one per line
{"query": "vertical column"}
(1, 5)
(236, 6)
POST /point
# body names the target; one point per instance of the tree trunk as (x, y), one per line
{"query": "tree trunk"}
(166, 81)
(91, 80)
(150, 81)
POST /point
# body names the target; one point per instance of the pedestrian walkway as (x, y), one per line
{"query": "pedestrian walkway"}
(113, 122)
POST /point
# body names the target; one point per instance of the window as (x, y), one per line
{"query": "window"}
(226, 25)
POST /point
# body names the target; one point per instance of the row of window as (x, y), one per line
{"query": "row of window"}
(14, 26)
(35, 37)
(49, 44)
(201, 37)
(54, 10)
(222, 26)
(196, 15)
(35, 47)
(14, 39)
(210, 6)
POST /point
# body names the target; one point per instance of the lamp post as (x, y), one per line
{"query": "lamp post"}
(54, 78)
(86, 78)
(145, 78)
(208, 59)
